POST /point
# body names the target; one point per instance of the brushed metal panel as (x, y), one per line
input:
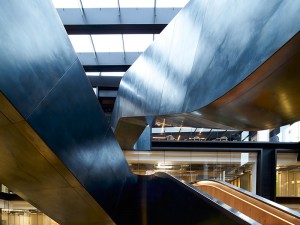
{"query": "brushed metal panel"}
(207, 51)
(28, 32)
(30, 169)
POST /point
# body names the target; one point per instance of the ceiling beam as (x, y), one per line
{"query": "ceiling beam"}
(115, 29)
(106, 68)
(113, 21)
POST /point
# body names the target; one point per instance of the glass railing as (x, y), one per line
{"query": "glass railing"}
(288, 133)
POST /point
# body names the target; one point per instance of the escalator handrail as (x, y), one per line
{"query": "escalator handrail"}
(226, 209)
(259, 198)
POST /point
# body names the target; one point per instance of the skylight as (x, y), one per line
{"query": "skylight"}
(137, 42)
(123, 3)
(81, 43)
(92, 73)
(171, 3)
(66, 3)
(113, 74)
(136, 3)
(108, 43)
(99, 3)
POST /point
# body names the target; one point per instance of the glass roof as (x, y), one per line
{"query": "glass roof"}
(123, 3)
(171, 3)
(92, 73)
(112, 43)
(105, 74)
(137, 42)
(136, 3)
(116, 42)
(81, 43)
(114, 74)
(108, 43)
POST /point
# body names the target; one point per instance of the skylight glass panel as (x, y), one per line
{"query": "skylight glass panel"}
(136, 3)
(66, 3)
(137, 42)
(92, 73)
(112, 74)
(171, 3)
(108, 43)
(81, 43)
(100, 3)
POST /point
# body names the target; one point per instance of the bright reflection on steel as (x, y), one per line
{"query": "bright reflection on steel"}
(206, 51)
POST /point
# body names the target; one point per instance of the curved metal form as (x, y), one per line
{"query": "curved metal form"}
(257, 208)
(57, 150)
(218, 64)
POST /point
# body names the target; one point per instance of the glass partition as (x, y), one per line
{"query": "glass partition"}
(237, 168)
(288, 175)
(21, 213)
(162, 131)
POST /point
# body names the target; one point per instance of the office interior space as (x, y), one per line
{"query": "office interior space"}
(153, 73)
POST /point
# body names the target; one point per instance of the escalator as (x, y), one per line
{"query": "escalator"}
(258, 208)
(57, 150)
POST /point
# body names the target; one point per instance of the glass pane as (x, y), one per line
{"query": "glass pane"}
(92, 73)
(137, 3)
(137, 42)
(100, 3)
(81, 43)
(108, 43)
(197, 165)
(288, 176)
(114, 74)
(66, 3)
(171, 3)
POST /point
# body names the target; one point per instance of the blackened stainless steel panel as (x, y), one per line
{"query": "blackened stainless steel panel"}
(208, 49)
(59, 153)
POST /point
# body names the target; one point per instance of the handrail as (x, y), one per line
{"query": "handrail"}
(257, 208)
(223, 207)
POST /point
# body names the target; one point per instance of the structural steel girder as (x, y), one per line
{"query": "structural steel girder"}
(108, 58)
(113, 21)
(114, 16)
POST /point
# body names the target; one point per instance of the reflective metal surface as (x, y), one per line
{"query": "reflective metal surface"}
(216, 63)
(57, 150)
(34, 172)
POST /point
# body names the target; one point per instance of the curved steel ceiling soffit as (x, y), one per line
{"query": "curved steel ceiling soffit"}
(209, 49)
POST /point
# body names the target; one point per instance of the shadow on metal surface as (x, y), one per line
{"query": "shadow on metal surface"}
(258, 208)
(218, 64)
